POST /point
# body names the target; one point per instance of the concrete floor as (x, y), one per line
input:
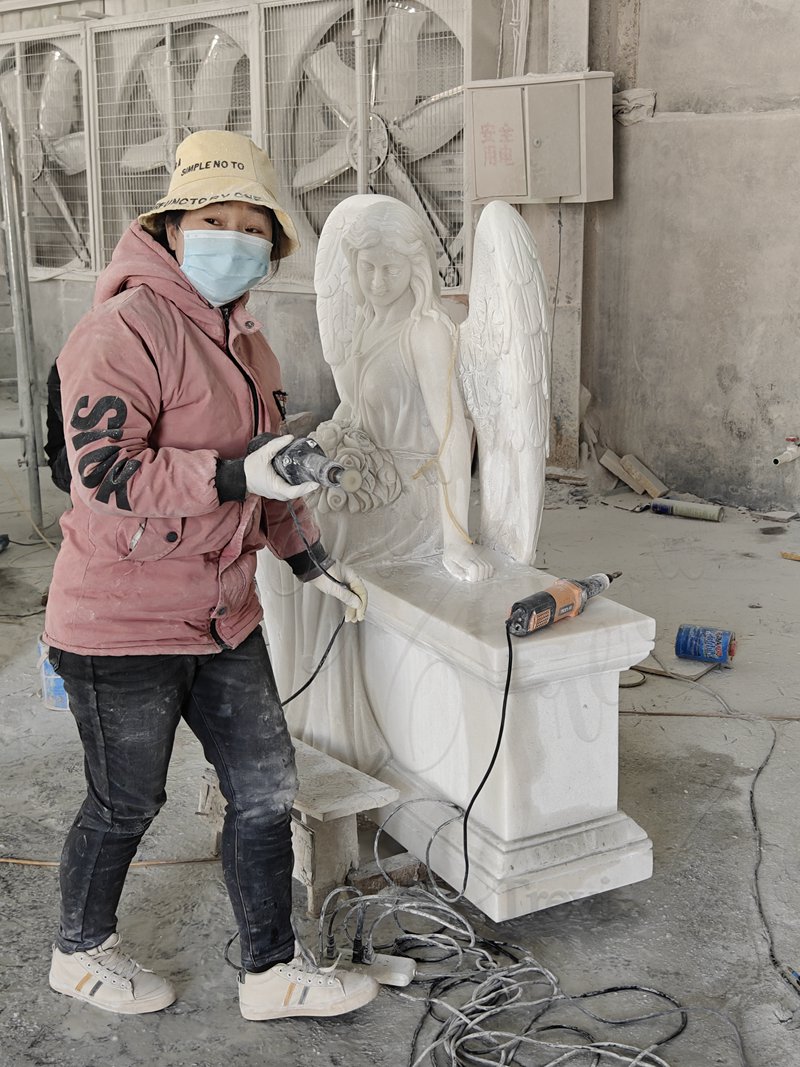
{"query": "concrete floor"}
(690, 757)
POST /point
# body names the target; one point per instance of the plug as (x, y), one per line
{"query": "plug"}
(385, 969)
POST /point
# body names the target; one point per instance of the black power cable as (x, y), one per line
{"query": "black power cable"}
(500, 732)
(333, 578)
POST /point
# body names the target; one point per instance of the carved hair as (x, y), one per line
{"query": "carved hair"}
(396, 227)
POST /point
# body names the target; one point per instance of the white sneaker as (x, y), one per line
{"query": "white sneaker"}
(300, 988)
(109, 979)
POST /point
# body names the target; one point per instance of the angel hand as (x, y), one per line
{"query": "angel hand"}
(465, 563)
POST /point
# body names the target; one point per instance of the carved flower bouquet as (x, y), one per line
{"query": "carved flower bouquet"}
(380, 481)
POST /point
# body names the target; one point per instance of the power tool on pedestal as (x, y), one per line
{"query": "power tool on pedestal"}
(565, 599)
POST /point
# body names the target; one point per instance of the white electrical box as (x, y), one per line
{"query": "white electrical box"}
(540, 138)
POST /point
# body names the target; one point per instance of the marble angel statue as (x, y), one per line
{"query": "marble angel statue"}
(417, 392)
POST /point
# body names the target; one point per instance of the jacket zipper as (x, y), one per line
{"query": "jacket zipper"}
(226, 315)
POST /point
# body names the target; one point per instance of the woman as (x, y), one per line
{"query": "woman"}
(167, 387)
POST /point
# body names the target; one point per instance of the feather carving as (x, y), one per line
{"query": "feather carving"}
(504, 362)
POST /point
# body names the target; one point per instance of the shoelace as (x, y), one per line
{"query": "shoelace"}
(118, 962)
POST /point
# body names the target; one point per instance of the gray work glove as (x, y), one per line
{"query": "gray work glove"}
(262, 479)
(353, 593)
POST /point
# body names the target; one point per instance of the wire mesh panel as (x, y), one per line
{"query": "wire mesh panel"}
(410, 98)
(41, 93)
(156, 84)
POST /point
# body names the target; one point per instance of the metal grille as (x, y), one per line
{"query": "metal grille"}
(410, 98)
(153, 81)
(41, 93)
(156, 84)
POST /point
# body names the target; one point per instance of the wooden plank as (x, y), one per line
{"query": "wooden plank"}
(653, 486)
(680, 670)
(778, 516)
(330, 789)
(611, 461)
(625, 501)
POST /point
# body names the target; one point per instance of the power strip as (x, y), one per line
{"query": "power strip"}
(385, 969)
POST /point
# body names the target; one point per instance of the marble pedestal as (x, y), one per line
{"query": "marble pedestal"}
(547, 827)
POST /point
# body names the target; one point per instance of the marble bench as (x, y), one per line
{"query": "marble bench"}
(324, 818)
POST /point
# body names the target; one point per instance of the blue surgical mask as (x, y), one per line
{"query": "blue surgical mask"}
(223, 264)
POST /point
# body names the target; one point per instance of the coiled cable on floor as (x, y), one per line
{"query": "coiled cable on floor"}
(489, 1003)
(482, 1009)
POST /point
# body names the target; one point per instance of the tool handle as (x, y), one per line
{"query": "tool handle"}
(303, 460)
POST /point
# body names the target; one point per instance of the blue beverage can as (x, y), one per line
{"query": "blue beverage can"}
(705, 643)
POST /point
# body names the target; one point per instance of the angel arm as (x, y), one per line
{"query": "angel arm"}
(345, 387)
(434, 352)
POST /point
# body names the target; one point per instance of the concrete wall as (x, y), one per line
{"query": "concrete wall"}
(691, 272)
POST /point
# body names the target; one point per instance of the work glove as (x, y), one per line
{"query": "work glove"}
(352, 592)
(262, 479)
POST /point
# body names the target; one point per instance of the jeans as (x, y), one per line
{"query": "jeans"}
(127, 709)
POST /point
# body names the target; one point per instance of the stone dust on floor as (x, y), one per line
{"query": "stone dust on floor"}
(695, 760)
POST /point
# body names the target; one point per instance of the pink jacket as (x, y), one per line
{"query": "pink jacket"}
(153, 393)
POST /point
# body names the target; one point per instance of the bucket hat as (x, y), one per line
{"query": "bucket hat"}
(212, 166)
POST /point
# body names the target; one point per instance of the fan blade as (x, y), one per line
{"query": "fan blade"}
(63, 207)
(323, 169)
(430, 126)
(414, 197)
(333, 80)
(8, 98)
(69, 152)
(154, 154)
(156, 78)
(58, 97)
(212, 91)
(154, 71)
(141, 158)
(396, 90)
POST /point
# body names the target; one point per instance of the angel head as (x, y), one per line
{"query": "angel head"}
(390, 256)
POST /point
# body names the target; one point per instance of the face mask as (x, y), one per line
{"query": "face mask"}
(222, 265)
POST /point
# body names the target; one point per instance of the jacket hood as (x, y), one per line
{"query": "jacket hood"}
(138, 260)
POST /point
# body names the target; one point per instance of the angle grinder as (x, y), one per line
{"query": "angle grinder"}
(303, 460)
(565, 599)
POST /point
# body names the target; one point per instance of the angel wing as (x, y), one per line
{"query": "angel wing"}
(504, 367)
(336, 309)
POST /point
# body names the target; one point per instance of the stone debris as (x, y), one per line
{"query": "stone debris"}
(653, 486)
(778, 516)
(611, 461)
(625, 502)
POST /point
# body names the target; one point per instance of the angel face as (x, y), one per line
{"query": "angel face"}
(384, 275)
